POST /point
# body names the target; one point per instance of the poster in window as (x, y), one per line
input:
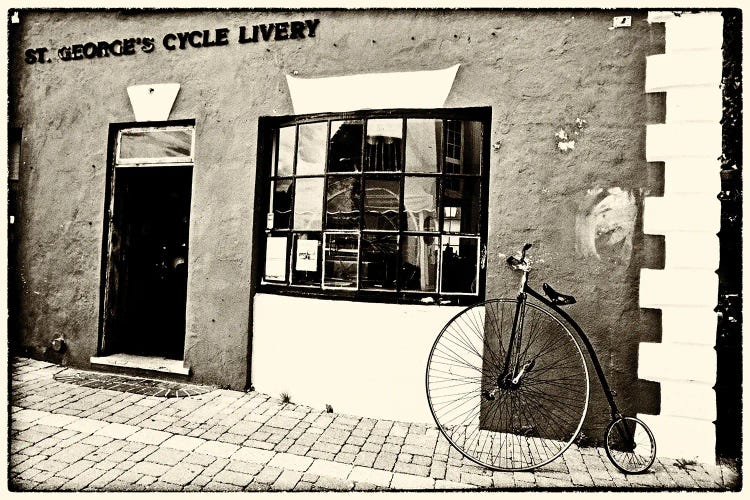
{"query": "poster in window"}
(276, 258)
(307, 255)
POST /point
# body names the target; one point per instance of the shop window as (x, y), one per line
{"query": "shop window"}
(376, 205)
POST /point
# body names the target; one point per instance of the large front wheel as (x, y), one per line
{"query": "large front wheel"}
(510, 418)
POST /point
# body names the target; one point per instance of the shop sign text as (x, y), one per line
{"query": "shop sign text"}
(271, 32)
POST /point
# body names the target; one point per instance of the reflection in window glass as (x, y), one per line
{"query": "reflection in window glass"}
(282, 203)
(463, 147)
(345, 154)
(472, 147)
(308, 209)
(306, 259)
(311, 148)
(381, 203)
(341, 253)
(156, 144)
(379, 261)
(420, 203)
(286, 151)
(342, 202)
(453, 147)
(423, 145)
(460, 257)
(419, 263)
(383, 145)
(461, 205)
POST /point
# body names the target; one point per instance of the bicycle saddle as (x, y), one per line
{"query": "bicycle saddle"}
(558, 299)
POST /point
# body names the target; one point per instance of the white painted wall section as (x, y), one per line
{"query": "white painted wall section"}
(688, 215)
(362, 358)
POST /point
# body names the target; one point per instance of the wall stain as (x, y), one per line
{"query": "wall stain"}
(605, 223)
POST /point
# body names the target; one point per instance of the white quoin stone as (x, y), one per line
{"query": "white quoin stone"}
(692, 175)
(688, 399)
(688, 139)
(153, 102)
(679, 437)
(678, 287)
(681, 212)
(688, 104)
(682, 69)
(688, 325)
(691, 250)
(690, 32)
(677, 362)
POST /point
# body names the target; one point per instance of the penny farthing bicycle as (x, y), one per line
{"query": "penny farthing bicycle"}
(508, 384)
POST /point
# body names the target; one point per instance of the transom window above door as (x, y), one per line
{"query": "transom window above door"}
(385, 205)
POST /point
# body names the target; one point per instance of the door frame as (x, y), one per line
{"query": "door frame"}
(106, 294)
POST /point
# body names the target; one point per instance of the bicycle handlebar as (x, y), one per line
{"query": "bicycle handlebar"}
(514, 262)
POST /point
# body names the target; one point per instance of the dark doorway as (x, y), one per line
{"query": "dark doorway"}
(148, 262)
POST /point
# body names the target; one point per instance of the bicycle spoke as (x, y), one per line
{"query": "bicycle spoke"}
(513, 424)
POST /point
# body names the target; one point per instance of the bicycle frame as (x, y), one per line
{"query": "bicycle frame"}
(518, 324)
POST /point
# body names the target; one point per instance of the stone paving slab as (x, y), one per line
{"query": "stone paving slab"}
(70, 438)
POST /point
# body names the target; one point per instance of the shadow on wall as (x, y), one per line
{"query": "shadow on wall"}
(605, 224)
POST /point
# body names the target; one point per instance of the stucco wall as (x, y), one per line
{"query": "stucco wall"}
(540, 71)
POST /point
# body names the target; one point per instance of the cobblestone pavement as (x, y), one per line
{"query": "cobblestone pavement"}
(72, 438)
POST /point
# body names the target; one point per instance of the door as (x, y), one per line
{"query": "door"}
(147, 268)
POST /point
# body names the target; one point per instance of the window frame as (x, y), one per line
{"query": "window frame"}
(266, 175)
(157, 160)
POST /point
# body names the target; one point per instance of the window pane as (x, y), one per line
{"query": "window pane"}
(306, 268)
(286, 151)
(420, 203)
(345, 154)
(308, 204)
(463, 147)
(275, 258)
(341, 254)
(382, 200)
(459, 264)
(379, 261)
(156, 144)
(419, 261)
(383, 145)
(282, 203)
(311, 148)
(461, 205)
(423, 145)
(342, 203)
(472, 147)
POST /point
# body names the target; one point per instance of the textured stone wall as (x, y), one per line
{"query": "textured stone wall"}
(551, 77)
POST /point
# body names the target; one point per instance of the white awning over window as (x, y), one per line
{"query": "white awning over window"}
(411, 89)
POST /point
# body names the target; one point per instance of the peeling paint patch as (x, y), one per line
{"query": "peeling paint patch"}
(605, 222)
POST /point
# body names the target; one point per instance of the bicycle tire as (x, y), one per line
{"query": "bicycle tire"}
(527, 426)
(634, 457)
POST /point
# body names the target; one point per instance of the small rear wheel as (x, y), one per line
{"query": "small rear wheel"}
(630, 445)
